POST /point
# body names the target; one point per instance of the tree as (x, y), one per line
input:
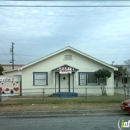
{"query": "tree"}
(122, 73)
(102, 75)
(1, 70)
(117, 76)
(127, 62)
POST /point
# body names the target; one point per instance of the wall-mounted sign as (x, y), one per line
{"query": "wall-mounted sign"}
(65, 70)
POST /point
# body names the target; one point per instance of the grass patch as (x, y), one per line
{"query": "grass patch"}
(19, 100)
(117, 98)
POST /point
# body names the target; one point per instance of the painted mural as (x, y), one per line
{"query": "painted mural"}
(9, 86)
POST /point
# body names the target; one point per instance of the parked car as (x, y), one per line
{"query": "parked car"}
(125, 105)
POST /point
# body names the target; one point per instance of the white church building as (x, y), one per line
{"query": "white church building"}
(65, 71)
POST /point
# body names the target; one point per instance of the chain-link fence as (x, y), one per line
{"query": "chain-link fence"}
(41, 95)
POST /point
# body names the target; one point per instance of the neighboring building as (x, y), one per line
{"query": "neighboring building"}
(119, 82)
(9, 66)
(66, 70)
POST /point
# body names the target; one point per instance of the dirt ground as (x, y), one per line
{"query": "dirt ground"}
(58, 107)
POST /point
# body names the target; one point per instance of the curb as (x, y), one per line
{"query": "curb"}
(49, 114)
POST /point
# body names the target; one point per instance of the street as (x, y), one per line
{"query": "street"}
(90, 122)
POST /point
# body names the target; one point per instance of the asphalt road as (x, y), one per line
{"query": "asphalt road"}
(91, 122)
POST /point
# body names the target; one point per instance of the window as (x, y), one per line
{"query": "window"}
(124, 80)
(86, 78)
(92, 78)
(67, 57)
(82, 78)
(40, 78)
(102, 80)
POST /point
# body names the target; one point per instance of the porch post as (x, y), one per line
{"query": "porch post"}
(73, 80)
(69, 82)
(59, 82)
(55, 82)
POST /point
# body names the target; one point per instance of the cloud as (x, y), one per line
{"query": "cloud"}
(100, 32)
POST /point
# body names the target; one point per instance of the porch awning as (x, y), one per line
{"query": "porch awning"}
(65, 69)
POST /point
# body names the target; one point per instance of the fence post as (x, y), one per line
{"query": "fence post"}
(20, 88)
(0, 97)
(43, 95)
(86, 92)
(127, 92)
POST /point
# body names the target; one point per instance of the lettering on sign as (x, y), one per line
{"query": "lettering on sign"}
(65, 70)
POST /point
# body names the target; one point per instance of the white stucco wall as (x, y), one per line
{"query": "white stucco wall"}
(80, 62)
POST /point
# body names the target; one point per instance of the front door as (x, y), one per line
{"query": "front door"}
(64, 83)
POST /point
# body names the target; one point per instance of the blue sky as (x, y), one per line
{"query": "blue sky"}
(102, 32)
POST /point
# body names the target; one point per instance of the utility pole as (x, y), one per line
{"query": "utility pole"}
(12, 50)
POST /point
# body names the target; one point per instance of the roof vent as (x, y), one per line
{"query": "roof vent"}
(67, 57)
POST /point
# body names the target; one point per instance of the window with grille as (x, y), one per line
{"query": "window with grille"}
(86, 78)
(82, 78)
(40, 78)
(92, 78)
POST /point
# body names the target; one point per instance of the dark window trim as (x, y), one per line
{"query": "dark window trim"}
(79, 77)
(91, 73)
(125, 80)
(43, 73)
(101, 83)
(98, 82)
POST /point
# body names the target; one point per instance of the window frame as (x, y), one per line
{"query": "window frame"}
(87, 73)
(80, 79)
(34, 80)
(125, 80)
(88, 77)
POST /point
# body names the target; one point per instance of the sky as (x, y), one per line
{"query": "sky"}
(102, 32)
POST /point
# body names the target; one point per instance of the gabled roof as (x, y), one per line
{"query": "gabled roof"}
(64, 49)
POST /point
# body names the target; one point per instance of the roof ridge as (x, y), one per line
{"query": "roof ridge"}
(66, 48)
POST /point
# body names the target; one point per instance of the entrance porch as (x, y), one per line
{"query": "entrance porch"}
(65, 81)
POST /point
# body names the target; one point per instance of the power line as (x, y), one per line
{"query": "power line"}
(17, 11)
(21, 55)
(5, 53)
(68, 0)
(25, 55)
(74, 6)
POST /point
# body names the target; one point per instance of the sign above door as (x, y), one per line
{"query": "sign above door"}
(65, 70)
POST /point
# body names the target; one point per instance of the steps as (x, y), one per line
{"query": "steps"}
(65, 94)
